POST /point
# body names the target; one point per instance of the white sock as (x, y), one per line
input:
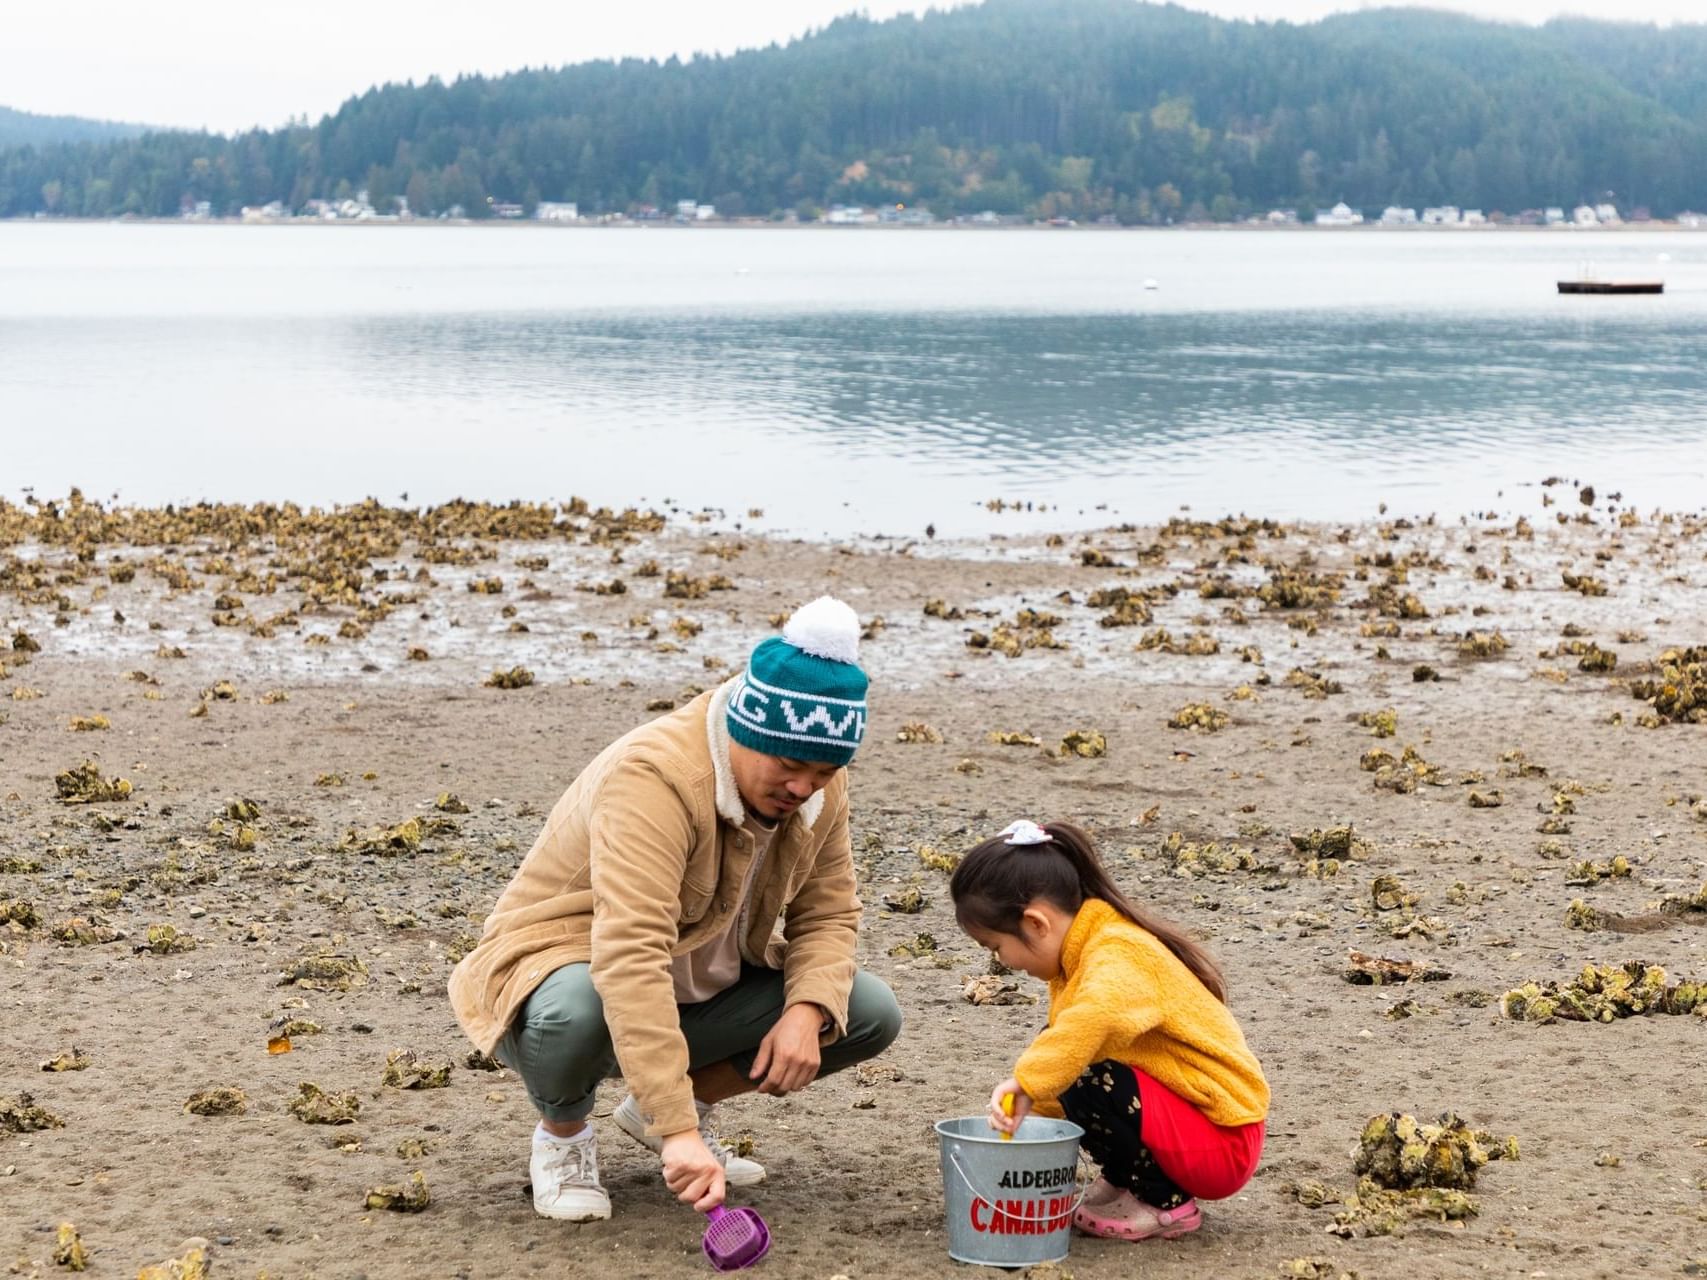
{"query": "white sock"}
(542, 1134)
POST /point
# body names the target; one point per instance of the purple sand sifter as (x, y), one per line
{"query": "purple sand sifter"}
(735, 1238)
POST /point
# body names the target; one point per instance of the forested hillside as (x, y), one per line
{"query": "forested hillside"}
(22, 128)
(1079, 108)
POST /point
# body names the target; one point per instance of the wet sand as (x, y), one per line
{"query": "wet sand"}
(854, 1186)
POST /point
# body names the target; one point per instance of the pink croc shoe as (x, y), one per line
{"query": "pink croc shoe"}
(1125, 1217)
(1100, 1192)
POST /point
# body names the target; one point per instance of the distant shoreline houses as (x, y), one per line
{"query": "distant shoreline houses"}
(1583, 215)
(358, 208)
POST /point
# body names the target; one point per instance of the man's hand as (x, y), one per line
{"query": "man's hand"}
(788, 1055)
(691, 1171)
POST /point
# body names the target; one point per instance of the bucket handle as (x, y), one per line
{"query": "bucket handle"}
(995, 1205)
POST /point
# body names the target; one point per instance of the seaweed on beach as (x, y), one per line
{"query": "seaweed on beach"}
(385, 842)
(20, 1114)
(192, 1266)
(1401, 774)
(990, 989)
(1193, 860)
(1314, 1269)
(1596, 660)
(1588, 872)
(325, 971)
(69, 1250)
(1372, 1210)
(1011, 640)
(1199, 644)
(1122, 607)
(1388, 601)
(165, 940)
(404, 1069)
(1480, 644)
(84, 784)
(313, 1105)
(1381, 724)
(1679, 695)
(1323, 853)
(20, 912)
(1300, 589)
(223, 1100)
(1681, 904)
(1312, 684)
(1579, 915)
(935, 859)
(78, 931)
(1605, 993)
(1583, 584)
(1398, 1152)
(1515, 764)
(916, 947)
(1387, 893)
(917, 731)
(411, 1197)
(514, 678)
(1087, 744)
(1199, 715)
(908, 901)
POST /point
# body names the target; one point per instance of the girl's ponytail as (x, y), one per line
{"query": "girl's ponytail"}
(996, 881)
(1095, 882)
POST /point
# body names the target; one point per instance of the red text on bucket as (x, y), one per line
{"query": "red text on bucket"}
(1022, 1217)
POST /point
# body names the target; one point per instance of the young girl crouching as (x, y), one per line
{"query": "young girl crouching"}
(1139, 1051)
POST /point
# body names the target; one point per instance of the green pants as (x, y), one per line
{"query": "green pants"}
(560, 1046)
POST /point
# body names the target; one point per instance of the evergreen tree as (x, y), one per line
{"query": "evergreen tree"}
(1138, 112)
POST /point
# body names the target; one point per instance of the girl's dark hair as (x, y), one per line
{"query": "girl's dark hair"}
(997, 881)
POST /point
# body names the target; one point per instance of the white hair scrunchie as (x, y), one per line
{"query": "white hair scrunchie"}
(1024, 832)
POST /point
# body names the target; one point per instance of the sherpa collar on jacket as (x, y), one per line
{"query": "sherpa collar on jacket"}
(729, 806)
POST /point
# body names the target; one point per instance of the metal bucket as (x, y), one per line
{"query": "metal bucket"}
(1009, 1204)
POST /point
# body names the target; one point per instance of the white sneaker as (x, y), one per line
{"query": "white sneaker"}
(738, 1171)
(566, 1178)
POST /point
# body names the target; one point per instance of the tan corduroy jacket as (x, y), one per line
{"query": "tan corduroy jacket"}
(642, 860)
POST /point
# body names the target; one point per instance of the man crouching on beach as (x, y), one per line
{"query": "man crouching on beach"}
(637, 937)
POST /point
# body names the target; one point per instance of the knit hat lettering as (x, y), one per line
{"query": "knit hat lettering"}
(802, 695)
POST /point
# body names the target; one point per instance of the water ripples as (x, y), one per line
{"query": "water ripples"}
(839, 413)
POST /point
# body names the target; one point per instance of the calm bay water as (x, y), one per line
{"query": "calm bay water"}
(850, 380)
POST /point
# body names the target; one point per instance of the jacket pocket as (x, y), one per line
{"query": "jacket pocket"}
(695, 901)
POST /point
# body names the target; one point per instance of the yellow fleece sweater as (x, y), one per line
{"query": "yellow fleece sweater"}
(1121, 994)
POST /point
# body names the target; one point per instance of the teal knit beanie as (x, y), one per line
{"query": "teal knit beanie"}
(802, 695)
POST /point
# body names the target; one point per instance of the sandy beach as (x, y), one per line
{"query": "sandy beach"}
(318, 769)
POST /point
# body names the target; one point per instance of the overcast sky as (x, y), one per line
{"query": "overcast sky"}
(227, 65)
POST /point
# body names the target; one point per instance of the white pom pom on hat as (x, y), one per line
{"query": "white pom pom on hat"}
(826, 628)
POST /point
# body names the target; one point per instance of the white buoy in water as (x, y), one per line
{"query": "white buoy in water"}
(1151, 283)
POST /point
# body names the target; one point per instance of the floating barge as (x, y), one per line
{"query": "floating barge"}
(1612, 286)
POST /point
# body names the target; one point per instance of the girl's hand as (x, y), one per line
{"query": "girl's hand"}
(999, 1119)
